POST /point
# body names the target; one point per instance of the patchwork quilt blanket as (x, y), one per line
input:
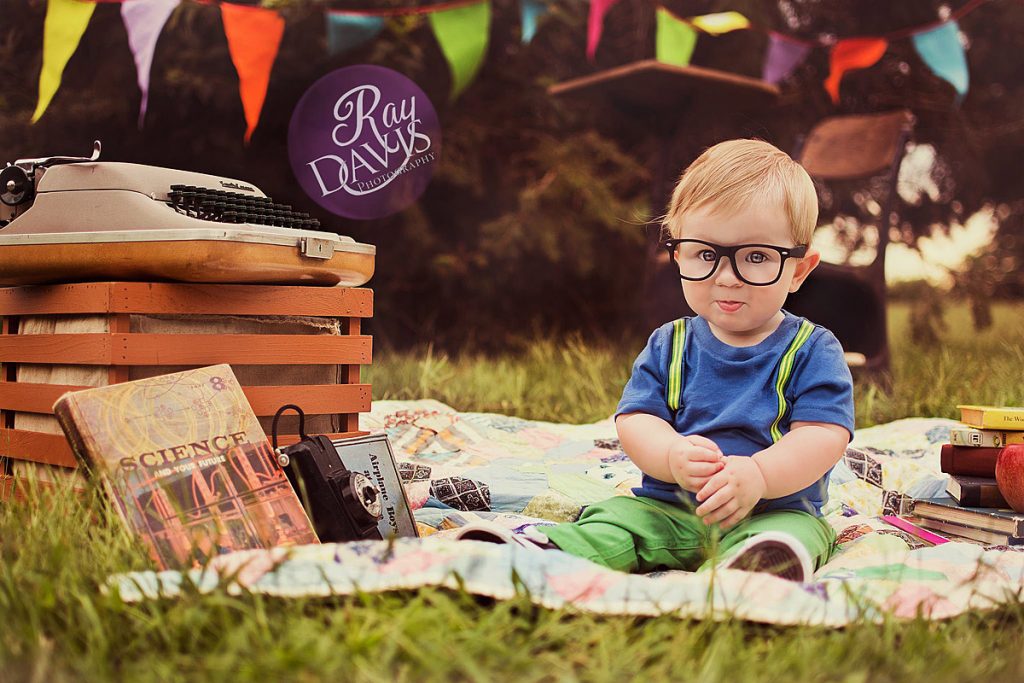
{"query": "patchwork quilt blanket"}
(460, 466)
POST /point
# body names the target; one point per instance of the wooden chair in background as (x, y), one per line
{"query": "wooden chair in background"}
(851, 300)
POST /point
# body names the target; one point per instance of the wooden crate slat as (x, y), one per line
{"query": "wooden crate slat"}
(14, 488)
(314, 399)
(185, 349)
(288, 439)
(186, 299)
(85, 297)
(32, 398)
(49, 449)
(66, 349)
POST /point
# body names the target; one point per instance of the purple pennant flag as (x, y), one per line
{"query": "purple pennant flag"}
(144, 19)
(784, 55)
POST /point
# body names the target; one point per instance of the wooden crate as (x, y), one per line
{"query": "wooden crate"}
(119, 350)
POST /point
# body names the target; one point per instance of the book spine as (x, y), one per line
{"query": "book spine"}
(975, 494)
(64, 410)
(993, 418)
(986, 438)
(974, 462)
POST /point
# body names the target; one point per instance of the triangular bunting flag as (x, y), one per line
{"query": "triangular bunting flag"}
(595, 24)
(531, 11)
(782, 58)
(941, 50)
(463, 34)
(348, 31)
(63, 28)
(855, 53)
(144, 20)
(720, 22)
(674, 39)
(254, 35)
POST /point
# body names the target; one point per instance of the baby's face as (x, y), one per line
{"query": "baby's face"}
(741, 314)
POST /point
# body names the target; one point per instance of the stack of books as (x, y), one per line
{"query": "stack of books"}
(974, 509)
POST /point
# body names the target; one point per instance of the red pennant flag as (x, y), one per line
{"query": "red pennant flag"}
(595, 24)
(254, 35)
(855, 53)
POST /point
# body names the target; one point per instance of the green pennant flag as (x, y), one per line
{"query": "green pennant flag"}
(463, 34)
(674, 40)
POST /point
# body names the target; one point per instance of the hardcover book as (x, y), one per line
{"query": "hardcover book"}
(979, 492)
(969, 461)
(960, 532)
(992, 417)
(186, 465)
(945, 509)
(992, 438)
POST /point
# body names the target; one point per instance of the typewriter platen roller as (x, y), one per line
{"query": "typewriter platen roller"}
(77, 219)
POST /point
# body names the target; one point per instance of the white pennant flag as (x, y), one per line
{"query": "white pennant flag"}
(144, 20)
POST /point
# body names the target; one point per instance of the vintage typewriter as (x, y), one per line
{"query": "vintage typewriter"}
(66, 219)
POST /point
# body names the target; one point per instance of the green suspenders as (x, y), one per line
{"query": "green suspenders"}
(674, 388)
(785, 370)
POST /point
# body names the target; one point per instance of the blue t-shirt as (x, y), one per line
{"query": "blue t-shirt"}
(729, 395)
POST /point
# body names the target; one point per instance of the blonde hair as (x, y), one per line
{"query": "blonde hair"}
(736, 174)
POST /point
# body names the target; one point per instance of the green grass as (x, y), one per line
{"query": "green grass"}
(578, 382)
(56, 551)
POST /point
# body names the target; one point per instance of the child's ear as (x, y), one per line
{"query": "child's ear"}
(803, 268)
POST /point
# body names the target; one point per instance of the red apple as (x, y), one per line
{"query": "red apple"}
(1010, 475)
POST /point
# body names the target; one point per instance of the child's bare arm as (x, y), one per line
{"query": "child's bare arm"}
(660, 452)
(801, 457)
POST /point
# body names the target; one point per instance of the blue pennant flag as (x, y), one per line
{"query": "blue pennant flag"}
(941, 50)
(349, 31)
(531, 10)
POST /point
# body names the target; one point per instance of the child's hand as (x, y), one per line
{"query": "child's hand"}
(730, 495)
(693, 460)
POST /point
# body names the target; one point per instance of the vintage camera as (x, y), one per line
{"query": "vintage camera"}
(344, 505)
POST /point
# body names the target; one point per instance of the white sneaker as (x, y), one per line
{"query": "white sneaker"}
(489, 532)
(773, 552)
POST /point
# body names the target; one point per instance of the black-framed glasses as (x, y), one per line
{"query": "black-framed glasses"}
(755, 264)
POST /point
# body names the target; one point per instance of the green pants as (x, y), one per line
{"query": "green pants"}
(644, 534)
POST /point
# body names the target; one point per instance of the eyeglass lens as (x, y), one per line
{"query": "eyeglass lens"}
(755, 264)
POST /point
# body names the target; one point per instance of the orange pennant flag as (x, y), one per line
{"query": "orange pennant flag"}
(855, 53)
(254, 35)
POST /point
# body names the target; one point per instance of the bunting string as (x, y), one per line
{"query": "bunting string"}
(462, 29)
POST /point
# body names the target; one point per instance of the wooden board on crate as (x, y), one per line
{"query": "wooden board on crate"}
(117, 353)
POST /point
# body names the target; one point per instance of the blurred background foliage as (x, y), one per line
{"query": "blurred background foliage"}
(534, 220)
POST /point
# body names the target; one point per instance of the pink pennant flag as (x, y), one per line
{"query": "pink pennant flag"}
(855, 53)
(595, 24)
(253, 34)
(783, 56)
(144, 20)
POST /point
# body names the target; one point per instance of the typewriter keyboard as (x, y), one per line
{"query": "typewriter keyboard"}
(234, 207)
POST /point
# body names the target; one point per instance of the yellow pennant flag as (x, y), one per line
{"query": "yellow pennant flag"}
(720, 22)
(65, 23)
